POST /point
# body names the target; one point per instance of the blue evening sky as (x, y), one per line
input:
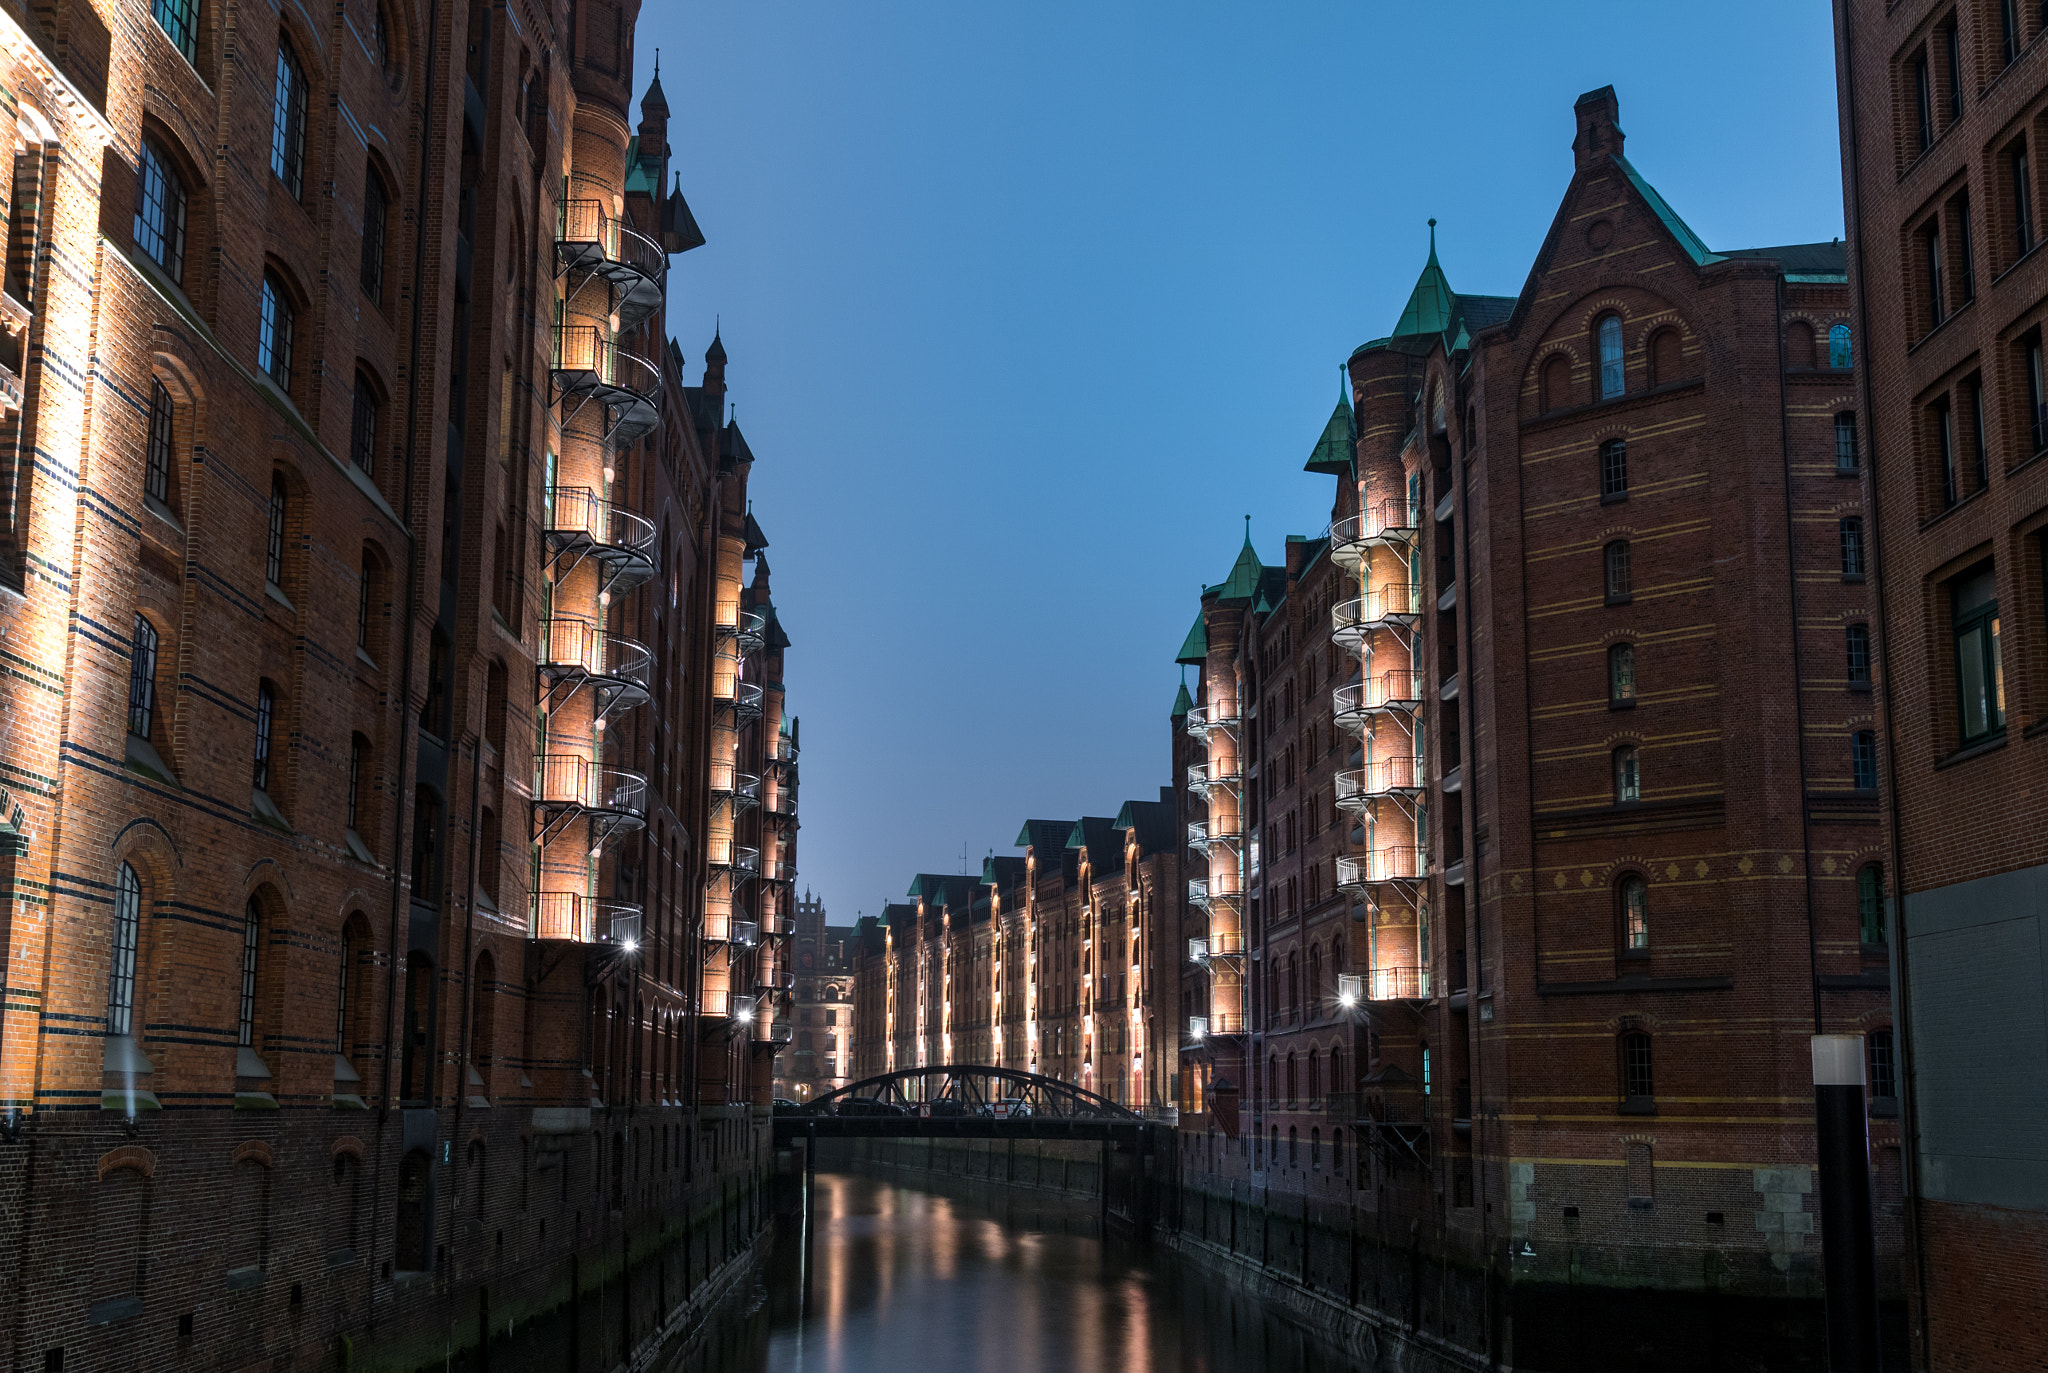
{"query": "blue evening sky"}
(1028, 305)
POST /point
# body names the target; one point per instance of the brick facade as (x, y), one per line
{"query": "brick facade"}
(1944, 112)
(373, 604)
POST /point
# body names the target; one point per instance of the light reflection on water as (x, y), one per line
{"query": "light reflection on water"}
(907, 1280)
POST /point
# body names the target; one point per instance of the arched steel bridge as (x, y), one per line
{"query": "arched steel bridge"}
(961, 1101)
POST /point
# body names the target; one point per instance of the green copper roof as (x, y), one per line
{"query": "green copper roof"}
(1695, 247)
(1194, 649)
(1243, 582)
(1182, 703)
(1339, 444)
(1429, 305)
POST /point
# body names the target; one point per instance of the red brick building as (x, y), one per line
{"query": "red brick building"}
(1542, 795)
(1944, 113)
(366, 977)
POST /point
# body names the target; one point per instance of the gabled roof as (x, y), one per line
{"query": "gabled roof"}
(756, 540)
(1695, 247)
(1243, 582)
(929, 885)
(679, 231)
(1099, 838)
(1803, 261)
(773, 637)
(1001, 870)
(1182, 703)
(1334, 451)
(1195, 648)
(1046, 836)
(1153, 820)
(1430, 304)
(899, 914)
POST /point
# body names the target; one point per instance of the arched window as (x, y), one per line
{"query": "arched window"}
(1315, 1146)
(1840, 353)
(1293, 1081)
(364, 600)
(1608, 331)
(1621, 675)
(415, 1070)
(1633, 897)
(1628, 779)
(1615, 564)
(160, 211)
(142, 679)
(274, 332)
(380, 39)
(344, 1023)
(1857, 638)
(1556, 388)
(1293, 1146)
(1847, 455)
(288, 120)
(157, 465)
(127, 938)
(1638, 1087)
(1642, 1174)
(266, 721)
(1863, 760)
(1870, 902)
(273, 542)
(179, 19)
(1614, 470)
(1315, 1076)
(376, 210)
(252, 930)
(362, 443)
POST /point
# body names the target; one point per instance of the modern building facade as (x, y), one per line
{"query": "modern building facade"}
(1944, 111)
(1541, 793)
(348, 471)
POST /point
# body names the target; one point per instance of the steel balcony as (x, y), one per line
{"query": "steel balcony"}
(1206, 777)
(1399, 863)
(1390, 521)
(590, 241)
(1205, 720)
(1397, 984)
(1391, 607)
(1355, 703)
(738, 790)
(581, 524)
(590, 365)
(581, 919)
(1400, 775)
(1202, 835)
(735, 859)
(575, 652)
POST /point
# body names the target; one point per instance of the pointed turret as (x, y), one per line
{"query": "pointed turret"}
(1194, 650)
(1335, 450)
(654, 122)
(1182, 703)
(1243, 582)
(1430, 304)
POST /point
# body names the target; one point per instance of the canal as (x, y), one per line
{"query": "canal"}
(905, 1280)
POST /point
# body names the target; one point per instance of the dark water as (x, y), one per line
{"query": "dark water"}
(907, 1280)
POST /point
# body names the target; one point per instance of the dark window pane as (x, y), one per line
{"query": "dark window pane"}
(156, 471)
(179, 19)
(266, 709)
(160, 212)
(142, 679)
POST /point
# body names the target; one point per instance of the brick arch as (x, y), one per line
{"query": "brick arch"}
(1622, 1022)
(179, 372)
(127, 1156)
(347, 1145)
(256, 1149)
(1641, 311)
(277, 879)
(149, 836)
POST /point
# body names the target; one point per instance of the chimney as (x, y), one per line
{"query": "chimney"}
(1598, 113)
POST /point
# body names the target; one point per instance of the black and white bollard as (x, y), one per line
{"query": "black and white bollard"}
(1847, 1241)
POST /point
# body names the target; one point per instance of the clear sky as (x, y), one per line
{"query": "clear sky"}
(1029, 304)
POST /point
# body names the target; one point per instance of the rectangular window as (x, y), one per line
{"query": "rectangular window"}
(251, 928)
(355, 781)
(2037, 396)
(1617, 571)
(1952, 48)
(1852, 549)
(1923, 100)
(1863, 760)
(1613, 469)
(1884, 1066)
(288, 121)
(2022, 202)
(1945, 455)
(2009, 29)
(1859, 655)
(266, 709)
(1980, 459)
(1980, 675)
(375, 211)
(363, 433)
(1621, 674)
(179, 19)
(1931, 248)
(1846, 458)
(142, 679)
(156, 471)
(1966, 279)
(1870, 903)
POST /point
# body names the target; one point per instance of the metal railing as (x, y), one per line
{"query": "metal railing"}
(730, 857)
(1395, 863)
(1202, 719)
(1202, 833)
(1203, 776)
(743, 788)
(1202, 1027)
(580, 513)
(1387, 521)
(1395, 983)
(574, 643)
(1392, 604)
(584, 223)
(1352, 702)
(569, 779)
(582, 919)
(587, 360)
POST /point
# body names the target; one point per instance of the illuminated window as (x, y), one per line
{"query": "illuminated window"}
(179, 19)
(121, 969)
(288, 120)
(1980, 675)
(160, 211)
(1863, 760)
(1634, 894)
(1628, 781)
(1638, 1086)
(1870, 903)
(1621, 675)
(274, 332)
(1614, 469)
(156, 469)
(1611, 377)
(1616, 567)
(266, 713)
(142, 679)
(1841, 351)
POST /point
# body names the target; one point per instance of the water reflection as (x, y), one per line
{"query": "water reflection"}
(909, 1280)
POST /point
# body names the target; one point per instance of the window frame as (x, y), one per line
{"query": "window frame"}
(266, 725)
(1617, 578)
(1863, 760)
(1613, 470)
(1638, 1072)
(1980, 619)
(376, 225)
(1627, 775)
(1856, 650)
(125, 942)
(277, 515)
(1870, 904)
(1632, 914)
(1621, 676)
(367, 409)
(252, 934)
(186, 37)
(1853, 552)
(144, 646)
(276, 327)
(1945, 462)
(1881, 1047)
(1848, 455)
(1841, 347)
(2019, 167)
(1609, 369)
(160, 448)
(288, 106)
(162, 209)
